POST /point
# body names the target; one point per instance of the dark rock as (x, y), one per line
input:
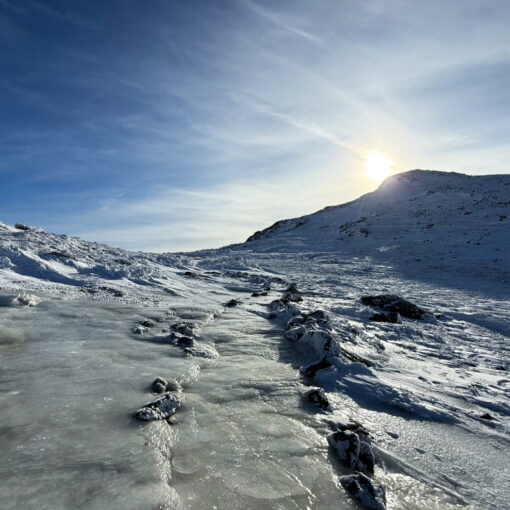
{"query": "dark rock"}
(318, 397)
(147, 323)
(257, 293)
(312, 369)
(353, 445)
(392, 317)
(183, 340)
(395, 304)
(184, 328)
(173, 386)
(232, 303)
(20, 226)
(159, 385)
(370, 494)
(191, 274)
(160, 409)
(58, 254)
(318, 318)
(501, 367)
(486, 416)
(292, 294)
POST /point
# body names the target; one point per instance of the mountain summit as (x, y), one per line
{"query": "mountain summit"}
(439, 218)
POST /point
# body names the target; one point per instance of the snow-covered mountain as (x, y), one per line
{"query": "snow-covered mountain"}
(439, 219)
(288, 361)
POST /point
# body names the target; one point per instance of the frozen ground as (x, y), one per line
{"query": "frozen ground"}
(73, 370)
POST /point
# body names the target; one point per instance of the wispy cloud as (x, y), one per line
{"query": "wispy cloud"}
(275, 19)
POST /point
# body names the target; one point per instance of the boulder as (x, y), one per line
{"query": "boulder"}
(370, 494)
(292, 294)
(159, 385)
(232, 303)
(184, 328)
(312, 369)
(396, 304)
(160, 409)
(352, 443)
(318, 397)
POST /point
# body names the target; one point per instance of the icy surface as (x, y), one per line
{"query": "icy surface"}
(86, 329)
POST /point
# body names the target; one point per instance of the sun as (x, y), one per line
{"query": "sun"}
(377, 166)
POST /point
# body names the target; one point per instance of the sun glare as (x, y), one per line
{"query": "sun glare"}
(377, 166)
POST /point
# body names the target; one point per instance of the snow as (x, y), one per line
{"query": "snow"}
(85, 329)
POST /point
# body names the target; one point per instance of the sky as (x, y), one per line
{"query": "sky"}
(170, 125)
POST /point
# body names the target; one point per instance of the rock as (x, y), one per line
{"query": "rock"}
(232, 303)
(501, 367)
(191, 274)
(317, 319)
(173, 386)
(147, 323)
(20, 226)
(318, 397)
(139, 330)
(392, 317)
(258, 294)
(486, 416)
(346, 443)
(352, 443)
(312, 369)
(292, 294)
(160, 409)
(159, 385)
(395, 304)
(184, 328)
(183, 340)
(370, 494)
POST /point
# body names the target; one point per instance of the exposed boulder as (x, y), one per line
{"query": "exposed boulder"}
(139, 329)
(352, 443)
(182, 340)
(232, 303)
(396, 304)
(21, 226)
(312, 369)
(160, 409)
(318, 397)
(259, 293)
(317, 319)
(184, 328)
(159, 385)
(370, 494)
(292, 294)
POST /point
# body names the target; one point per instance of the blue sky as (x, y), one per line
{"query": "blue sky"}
(177, 125)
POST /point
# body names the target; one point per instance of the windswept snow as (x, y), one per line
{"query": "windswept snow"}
(248, 358)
